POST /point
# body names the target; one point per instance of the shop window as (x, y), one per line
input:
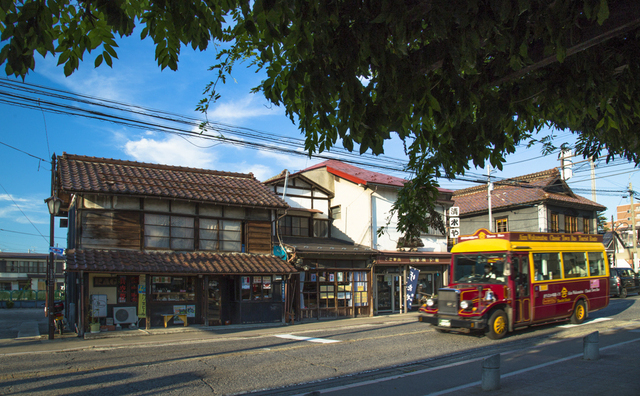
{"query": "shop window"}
(257, 288)
(173, 288)
(309, 290)
(501, 225)
(570, 224)
(5, 286)
(553, 223)
(360, 286)
(294, 226)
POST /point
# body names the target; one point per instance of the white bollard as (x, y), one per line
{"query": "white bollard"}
(491, 373)
(591, 347)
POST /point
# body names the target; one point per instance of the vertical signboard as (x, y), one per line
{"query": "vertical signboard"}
(142, 297)
(412, 284)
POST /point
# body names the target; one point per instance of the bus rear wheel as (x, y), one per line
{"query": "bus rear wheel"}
(579, 313)
(497, 325)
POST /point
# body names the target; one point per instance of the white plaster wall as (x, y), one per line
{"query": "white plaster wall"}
(355, 204)
(383, 200)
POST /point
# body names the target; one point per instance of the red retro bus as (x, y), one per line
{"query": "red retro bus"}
(503, 281)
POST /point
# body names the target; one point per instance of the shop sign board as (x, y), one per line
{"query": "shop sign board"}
(412, 284)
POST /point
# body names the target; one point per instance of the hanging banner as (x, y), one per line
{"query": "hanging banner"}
(142, 297)
(412, 284)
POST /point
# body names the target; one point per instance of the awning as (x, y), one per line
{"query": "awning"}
(131, 261)
(413, 258)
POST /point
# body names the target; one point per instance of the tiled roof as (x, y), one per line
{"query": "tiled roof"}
(81, 174)
(326, 246)
(359, 175)
(527, 189)
(133, 261)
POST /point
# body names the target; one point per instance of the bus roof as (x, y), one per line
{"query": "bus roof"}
(485, 241)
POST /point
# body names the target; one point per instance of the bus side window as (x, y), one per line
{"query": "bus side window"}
(596, 263)
(575, 264)
(548, 264)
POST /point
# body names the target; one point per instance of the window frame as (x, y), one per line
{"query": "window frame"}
(504, 222)
(570, 224)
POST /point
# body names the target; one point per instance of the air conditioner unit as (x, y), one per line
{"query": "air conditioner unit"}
(125, 315)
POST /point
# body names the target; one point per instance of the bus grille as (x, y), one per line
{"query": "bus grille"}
(448, 302)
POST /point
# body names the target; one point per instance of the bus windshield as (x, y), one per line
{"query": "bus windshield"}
(479, 268)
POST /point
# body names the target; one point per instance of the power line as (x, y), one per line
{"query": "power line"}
(26, 217)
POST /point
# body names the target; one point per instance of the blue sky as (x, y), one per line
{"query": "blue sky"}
(34, 135)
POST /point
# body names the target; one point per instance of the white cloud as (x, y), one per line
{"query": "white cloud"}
(248, 107)
(23, 210)
(171, 150)
(288, 161)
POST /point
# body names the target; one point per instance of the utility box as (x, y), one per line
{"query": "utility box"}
(98, 305)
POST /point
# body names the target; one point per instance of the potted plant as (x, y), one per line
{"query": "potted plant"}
(95, 327)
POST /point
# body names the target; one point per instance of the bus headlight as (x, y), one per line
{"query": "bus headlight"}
(465, 304)
(431, 302)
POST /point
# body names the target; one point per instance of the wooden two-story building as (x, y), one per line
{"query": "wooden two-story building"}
(146, 241)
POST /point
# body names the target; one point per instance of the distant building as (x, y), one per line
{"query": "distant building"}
(27, 271)
(537, 202)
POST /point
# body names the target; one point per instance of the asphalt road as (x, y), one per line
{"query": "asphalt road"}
(277, 361)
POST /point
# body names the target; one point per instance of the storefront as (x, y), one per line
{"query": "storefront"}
(392, 272)
(335, 278)
(149, 289)
(335, 292)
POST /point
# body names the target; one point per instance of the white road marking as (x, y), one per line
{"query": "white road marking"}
(586, 323)
(310, 339)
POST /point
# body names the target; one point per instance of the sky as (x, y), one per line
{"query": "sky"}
(30, 136)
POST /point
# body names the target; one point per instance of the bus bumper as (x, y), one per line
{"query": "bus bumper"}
(453, 323)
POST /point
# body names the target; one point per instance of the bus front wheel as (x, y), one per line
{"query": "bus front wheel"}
(497, 325)
(579, 313)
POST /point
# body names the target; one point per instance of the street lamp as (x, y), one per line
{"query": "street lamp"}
(53, 203)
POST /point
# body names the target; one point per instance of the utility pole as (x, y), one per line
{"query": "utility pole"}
(489, 189)
(593, 179)
(634, 233)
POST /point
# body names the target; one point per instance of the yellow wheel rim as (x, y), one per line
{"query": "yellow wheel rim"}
(580, 312)
(499, 325)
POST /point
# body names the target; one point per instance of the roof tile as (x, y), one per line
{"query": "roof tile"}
(81, 174)
(133, 261)
(517, 191)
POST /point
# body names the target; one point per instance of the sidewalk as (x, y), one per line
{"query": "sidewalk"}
(31, 340)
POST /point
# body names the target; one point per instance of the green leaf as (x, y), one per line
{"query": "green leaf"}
(603, 12)
(98, 61)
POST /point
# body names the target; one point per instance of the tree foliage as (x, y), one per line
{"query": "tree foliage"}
(458, 81)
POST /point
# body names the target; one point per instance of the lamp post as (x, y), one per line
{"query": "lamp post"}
(53, 203)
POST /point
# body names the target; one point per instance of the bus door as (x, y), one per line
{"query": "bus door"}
(522, 289)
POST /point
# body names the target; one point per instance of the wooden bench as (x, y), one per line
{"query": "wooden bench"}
(168, 317)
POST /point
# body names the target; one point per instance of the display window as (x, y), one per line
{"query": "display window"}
(257, 288)
(173, 288)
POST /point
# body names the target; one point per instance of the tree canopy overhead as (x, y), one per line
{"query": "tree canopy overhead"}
(456, 80)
